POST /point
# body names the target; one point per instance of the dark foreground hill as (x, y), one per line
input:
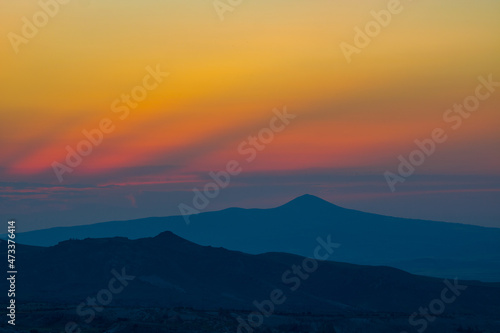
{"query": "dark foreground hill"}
(168, 271)
(420, 247)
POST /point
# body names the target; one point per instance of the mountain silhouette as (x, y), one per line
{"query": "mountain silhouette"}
(169, 271)
(308, 201)
(418, 246)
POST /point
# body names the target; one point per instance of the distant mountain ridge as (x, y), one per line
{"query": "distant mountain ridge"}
(168, 271)
(417, 246)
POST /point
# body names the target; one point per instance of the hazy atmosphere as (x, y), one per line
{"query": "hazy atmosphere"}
(245, 166)
(353, 119)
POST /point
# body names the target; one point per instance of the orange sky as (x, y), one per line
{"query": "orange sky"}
(226, 77)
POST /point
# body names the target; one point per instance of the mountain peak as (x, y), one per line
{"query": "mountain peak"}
(309, 201)
(168, 237)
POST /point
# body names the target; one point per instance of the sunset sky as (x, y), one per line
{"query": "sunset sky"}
(225, 79)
